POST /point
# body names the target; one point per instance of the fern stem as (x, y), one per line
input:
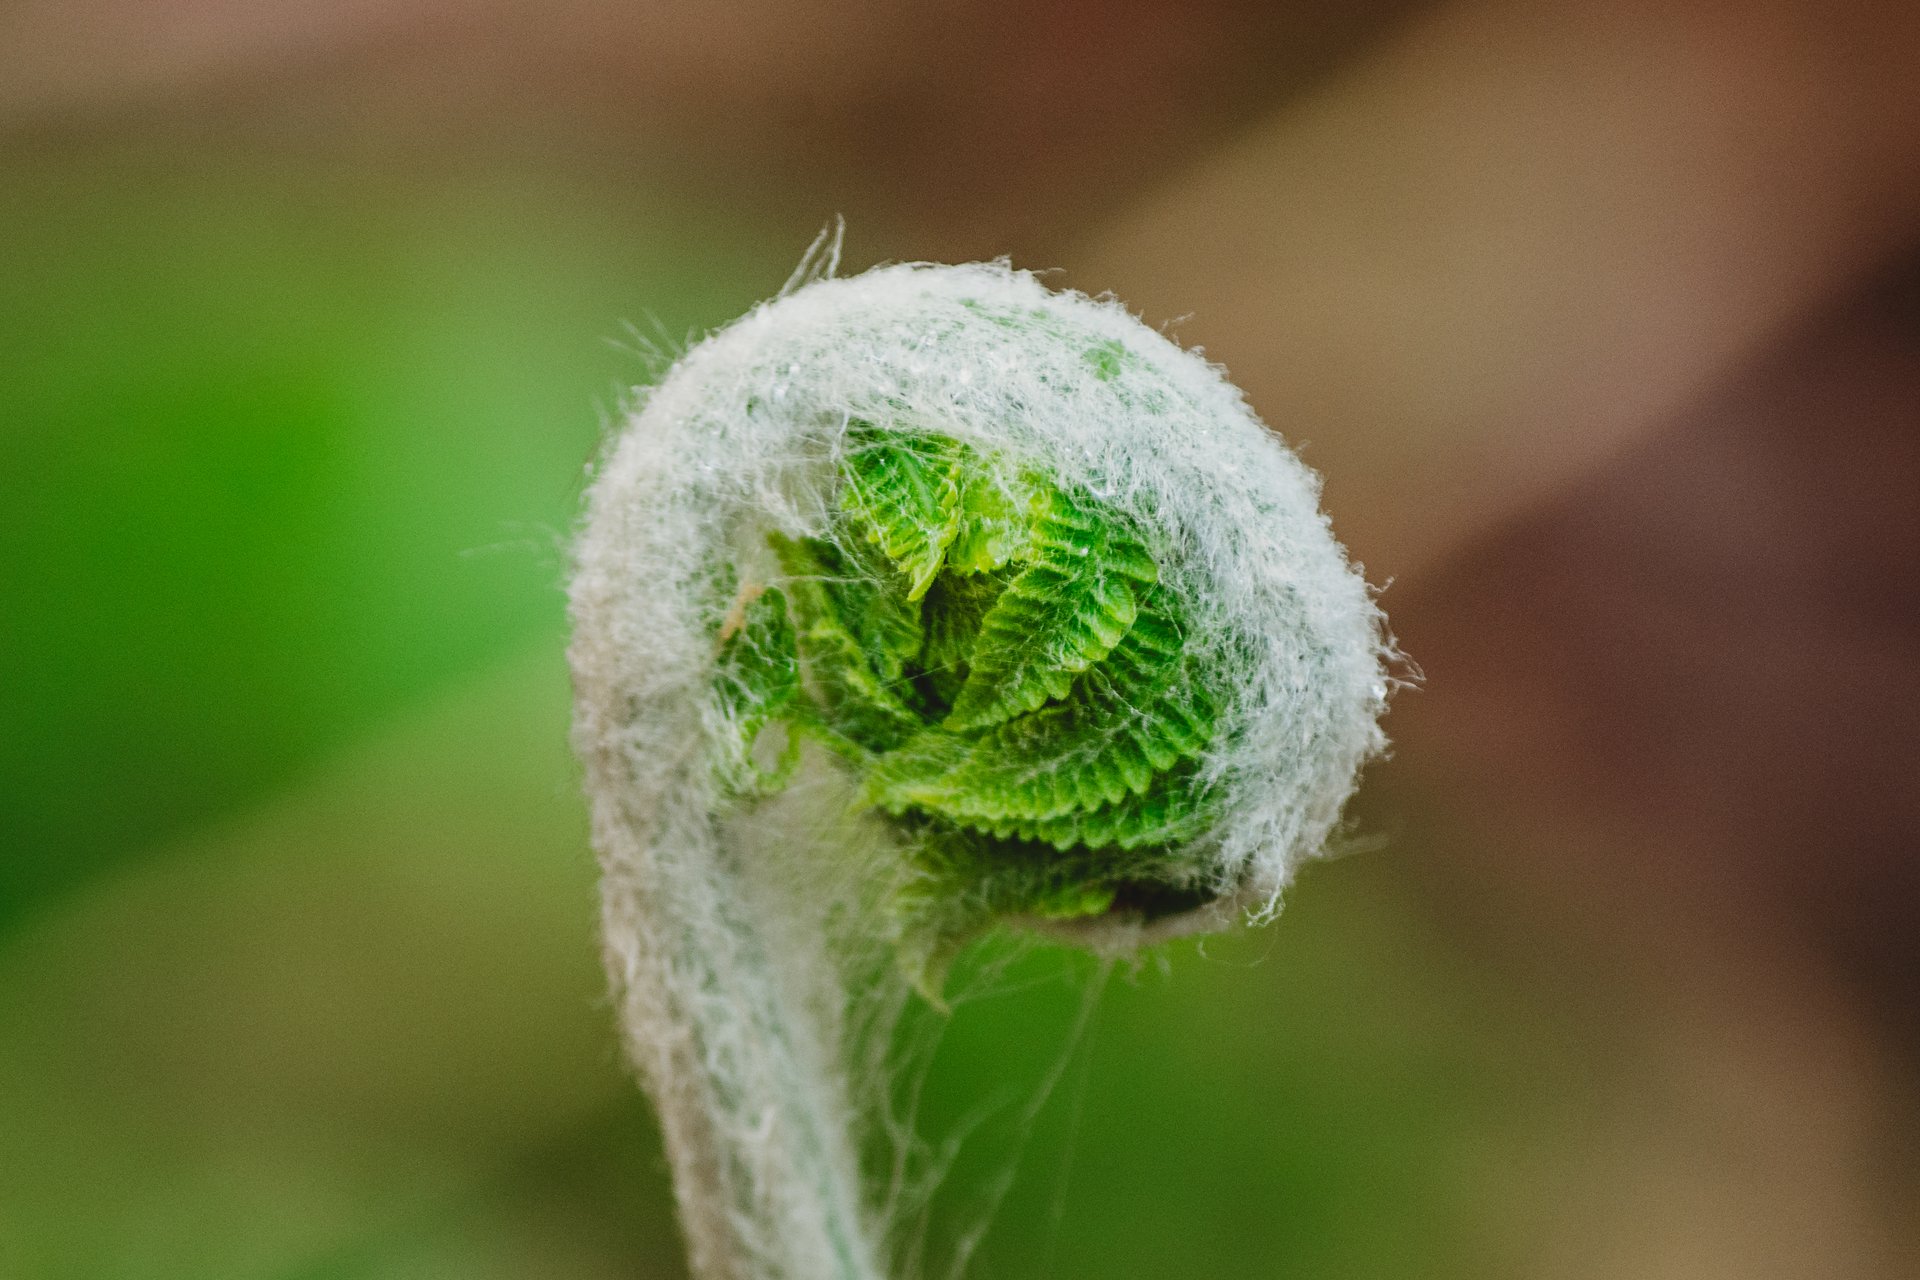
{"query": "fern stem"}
(732, 1032)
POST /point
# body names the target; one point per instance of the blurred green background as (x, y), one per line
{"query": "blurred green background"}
(312, 320)
(296, 923)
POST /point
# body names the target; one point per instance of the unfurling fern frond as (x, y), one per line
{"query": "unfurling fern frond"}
(1080, 647)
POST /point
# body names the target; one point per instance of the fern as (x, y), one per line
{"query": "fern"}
(999, 656)
(966, 880)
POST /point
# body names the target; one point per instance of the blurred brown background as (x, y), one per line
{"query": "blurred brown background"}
(1602, 322)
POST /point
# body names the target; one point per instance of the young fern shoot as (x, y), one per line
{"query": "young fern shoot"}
(908, 605)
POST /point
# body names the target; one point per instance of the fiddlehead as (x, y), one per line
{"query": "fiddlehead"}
(908, 604)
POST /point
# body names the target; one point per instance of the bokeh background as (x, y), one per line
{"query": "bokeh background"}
(1603, 322)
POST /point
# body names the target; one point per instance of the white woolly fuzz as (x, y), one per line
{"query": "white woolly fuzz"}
(727, 931)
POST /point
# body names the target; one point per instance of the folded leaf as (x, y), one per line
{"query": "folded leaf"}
(1062, 613)
(903, 490)
(858, 632)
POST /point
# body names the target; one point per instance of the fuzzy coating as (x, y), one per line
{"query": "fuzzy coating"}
(740, 438)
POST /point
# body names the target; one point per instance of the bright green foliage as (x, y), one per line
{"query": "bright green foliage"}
(1121, 726)
(857, 633)
(995, 518)
(1169, 812)
(905, 491)
(1069, 606)
(999, 657)
(916, 497)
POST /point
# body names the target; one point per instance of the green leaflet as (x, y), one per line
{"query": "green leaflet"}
(857, 633)
(925, 502)
(1065, 611)
(1172, 811)
(1135, 716)
(905, 491)
(1108, 359)
(995, 515)
(1077, 803)
(999, 659)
